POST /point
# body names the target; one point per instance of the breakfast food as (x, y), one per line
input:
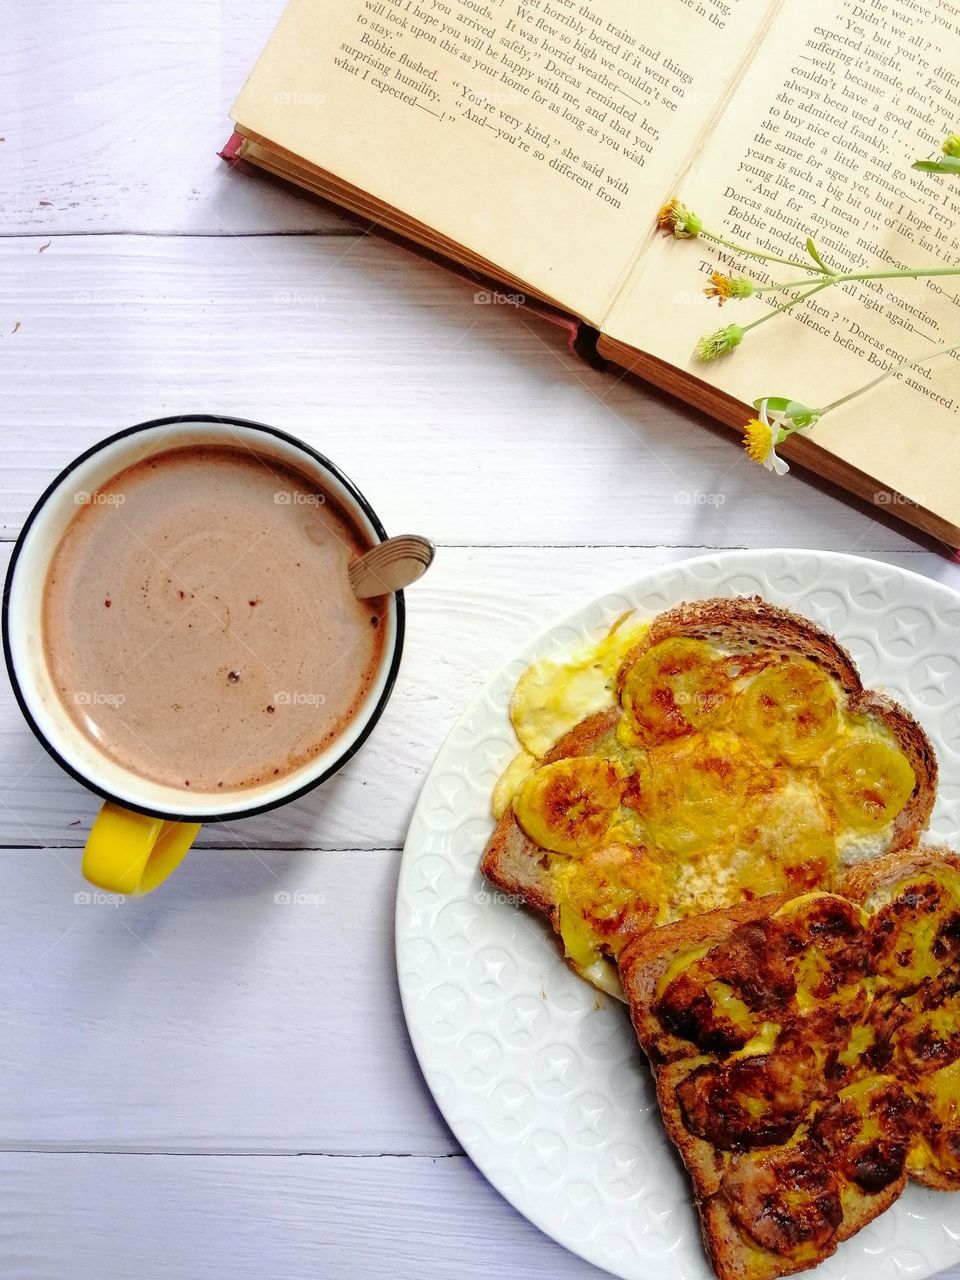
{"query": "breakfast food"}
(807, 1056)
(724, 752)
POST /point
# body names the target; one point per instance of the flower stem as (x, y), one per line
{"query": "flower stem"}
(786, 306)
(890, 373)
(759, 253)
(842, 278)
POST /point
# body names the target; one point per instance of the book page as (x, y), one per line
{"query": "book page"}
(536, 133)
(818, 140)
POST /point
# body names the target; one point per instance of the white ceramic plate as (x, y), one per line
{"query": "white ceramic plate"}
(541, 1079)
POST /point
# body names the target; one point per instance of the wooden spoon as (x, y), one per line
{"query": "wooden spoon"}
(391, 566)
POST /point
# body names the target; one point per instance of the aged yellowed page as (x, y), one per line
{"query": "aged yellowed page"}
(819, 138)
(536, 133)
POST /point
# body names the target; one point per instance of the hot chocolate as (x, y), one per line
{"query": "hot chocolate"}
(199, 624)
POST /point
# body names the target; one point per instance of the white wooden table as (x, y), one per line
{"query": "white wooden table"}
(204, 1082)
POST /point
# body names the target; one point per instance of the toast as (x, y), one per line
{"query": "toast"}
(802, 1077)
(758, 633)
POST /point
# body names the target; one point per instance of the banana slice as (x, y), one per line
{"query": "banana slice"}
(914, 932)
(617, 889)
(869, 781)
(866, 1129)
(674, 688)
(791, 711)
(568, 806)
(692, 792)
(939, 1095)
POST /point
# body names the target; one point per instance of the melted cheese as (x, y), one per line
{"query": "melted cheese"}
(511, 780)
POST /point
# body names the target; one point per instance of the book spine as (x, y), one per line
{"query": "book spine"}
(231, 150)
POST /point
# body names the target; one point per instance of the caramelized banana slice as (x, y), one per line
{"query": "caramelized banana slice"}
(866, 1129)
(869, 781)
(721, 999)
(939, 1100)
(753, 1101)
(696, 791)
(567, 806)
(786, 1200)
(709, 1014)
(790, 710)
(608, 895)
(930, 1039)
(827, 938)
(677, 686)
(917, 930)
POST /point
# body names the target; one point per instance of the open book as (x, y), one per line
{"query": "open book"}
(533, 141)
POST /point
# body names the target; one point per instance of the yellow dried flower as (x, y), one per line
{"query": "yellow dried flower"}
(723, 287)
(758, 440)
(675, 219)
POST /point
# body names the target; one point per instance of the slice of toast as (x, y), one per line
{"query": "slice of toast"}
(726, 1176)
(872, 885)
(519, 866)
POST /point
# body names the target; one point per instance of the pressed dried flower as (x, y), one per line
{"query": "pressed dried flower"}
(723, 287)
(721, 343)
(676, 220)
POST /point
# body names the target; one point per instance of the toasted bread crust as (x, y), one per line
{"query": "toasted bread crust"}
(511, 860)
(861, 882)
(749, 622)
(518, 866)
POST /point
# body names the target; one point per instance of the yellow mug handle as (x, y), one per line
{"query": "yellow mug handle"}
(131, 854)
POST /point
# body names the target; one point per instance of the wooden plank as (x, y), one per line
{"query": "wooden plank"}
(250, 1006)
(472, 612)
(108, 1217)
(114, 123)
(467, 419)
